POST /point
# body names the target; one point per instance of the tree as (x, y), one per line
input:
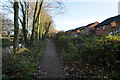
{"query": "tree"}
(23, 9)
(47, 29)
(45, 16)
(35, 18)
(24, 23)
(16, 26)
(28, 19)
(7, 25)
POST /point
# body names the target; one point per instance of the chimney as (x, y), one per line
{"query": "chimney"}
(119, 8)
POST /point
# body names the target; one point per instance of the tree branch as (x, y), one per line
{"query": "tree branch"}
(39, 11)
(20, 20)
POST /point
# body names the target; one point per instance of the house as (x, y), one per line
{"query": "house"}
(74, 31)
(89, 29)
(108, 26)
(84, 30)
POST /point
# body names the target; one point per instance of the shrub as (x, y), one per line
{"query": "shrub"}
(23, 65)
(105, 51)
(100, 52)
(72, 48)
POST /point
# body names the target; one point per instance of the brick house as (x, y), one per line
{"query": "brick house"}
(74, 31)
(89, 29)
(108, 26)
(84, 30)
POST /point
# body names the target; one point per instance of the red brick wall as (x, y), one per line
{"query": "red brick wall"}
(102, 32)
(109, 29)
(118, 24)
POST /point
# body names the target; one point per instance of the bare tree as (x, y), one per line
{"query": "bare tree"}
(35, 18)
(24, 22)
(28, 19)
(16, 26)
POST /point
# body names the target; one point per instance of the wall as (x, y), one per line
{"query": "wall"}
(92, 27)
(118, 24)
(111, 28)
(102, 32)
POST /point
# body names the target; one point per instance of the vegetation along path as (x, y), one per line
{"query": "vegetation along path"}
(51, 65)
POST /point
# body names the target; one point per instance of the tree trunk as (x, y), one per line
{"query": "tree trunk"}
(35, 20)
(28, 20)
(24, 24)
(36, 35)
(47, 30)
(33, 29)
(16, 26)
(38, 30)
(39, 34)
(41, 30)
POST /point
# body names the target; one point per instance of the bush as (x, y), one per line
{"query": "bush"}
(66, 44)
(100, 52)
(23, 65)
(105, 53)
(72, 48)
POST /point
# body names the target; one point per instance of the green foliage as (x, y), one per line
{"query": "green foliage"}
(24, 64)
(62, 42)
(70, 53)
(82, 39)
(115, 74)
(5, 77)
(97, 51)
(72, 48)
(105, 49)
(104, 52)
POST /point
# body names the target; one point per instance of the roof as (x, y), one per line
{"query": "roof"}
(80, 28)
(83, 27)
(109, 20)
(74, 30)
(90, 25)
(77, 29)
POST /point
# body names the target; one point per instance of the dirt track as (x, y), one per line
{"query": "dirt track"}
(51, 65)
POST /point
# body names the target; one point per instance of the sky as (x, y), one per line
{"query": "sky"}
(79, 14)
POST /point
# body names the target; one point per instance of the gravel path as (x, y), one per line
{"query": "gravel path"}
(51, 65)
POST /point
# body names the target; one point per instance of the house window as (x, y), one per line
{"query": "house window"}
(105, 27)
(97, 28)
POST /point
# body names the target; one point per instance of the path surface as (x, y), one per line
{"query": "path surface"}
(51, 65)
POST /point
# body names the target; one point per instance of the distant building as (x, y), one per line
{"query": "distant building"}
(108, 26)
(90, 29)
(84, 30)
